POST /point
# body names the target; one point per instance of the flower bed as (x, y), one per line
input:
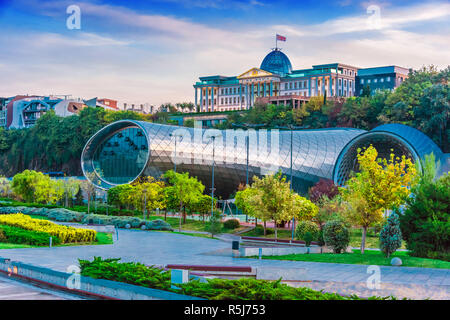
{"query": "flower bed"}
(64, 233)
(10, 234)
(65, 215)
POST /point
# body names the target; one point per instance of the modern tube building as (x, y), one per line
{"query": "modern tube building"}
(127, 149)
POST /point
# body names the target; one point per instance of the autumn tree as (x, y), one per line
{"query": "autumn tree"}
(277, 202)
(381, 184)
(148, 195)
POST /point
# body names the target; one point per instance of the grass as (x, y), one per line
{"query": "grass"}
(191, 225)
(370, 257)
(102, 238)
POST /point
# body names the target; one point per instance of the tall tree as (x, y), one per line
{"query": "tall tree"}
(381, 184)
(187, 189)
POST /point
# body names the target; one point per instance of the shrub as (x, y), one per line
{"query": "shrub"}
(425, 223)
(122, 221)
(215, 225)
(391, 235)
(259, 230)
(336, 235)
(231, 224)
(131, 272)
(17, 235)
(64, 233)
(304, 227)
(323, 188)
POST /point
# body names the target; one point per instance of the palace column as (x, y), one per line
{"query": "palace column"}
(195, 89)
(240, 94)
(323, 86)
(201, 99)
(252, 93)
(264, 92)
(309, 87)
(336, 86)
(330, 85)
(212, 99)
(317, 87)
(270, 88)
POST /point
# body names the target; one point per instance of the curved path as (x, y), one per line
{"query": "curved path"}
(161, 248)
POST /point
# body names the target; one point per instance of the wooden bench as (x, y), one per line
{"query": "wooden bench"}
(271, 240)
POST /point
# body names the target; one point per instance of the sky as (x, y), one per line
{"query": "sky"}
(153, 51)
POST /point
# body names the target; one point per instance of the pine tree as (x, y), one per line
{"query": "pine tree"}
(391, 235)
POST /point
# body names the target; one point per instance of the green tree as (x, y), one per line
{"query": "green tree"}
(187, 189)
(278, 202)
(425, 222)
(149, 195)
(24, 184)
(391, 235)
(89, 188)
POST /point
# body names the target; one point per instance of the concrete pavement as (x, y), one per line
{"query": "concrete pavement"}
(161, 248)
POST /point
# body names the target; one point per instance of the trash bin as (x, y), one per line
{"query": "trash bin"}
(235, 245)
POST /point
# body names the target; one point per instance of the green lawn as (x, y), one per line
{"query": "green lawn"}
(102, 238)
(192, 225)
(370, 257)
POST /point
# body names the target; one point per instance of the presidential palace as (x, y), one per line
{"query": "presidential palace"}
(276, 82)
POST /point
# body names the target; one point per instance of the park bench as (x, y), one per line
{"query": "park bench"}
(275, 241)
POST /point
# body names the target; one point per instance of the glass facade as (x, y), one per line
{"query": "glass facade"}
(397, 138)
(314, 154)
(122, 156)
(127, 149)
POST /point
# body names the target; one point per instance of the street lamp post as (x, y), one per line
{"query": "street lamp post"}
(291, 128)
(212, 176)
(247, 144)
(175, 160)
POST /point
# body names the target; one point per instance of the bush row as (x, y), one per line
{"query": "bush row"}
(213, 289)
(64, 233)
(122, 222)
(17, 235)
(65, 215)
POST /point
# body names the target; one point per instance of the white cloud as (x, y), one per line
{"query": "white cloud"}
(154, 58)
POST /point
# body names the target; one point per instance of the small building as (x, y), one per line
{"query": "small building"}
(380, 78)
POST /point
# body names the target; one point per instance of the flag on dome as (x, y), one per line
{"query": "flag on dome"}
(281, 38)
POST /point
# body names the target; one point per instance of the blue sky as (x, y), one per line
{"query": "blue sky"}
(153, 51)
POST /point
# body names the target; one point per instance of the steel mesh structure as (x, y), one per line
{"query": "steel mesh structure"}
(125, 150)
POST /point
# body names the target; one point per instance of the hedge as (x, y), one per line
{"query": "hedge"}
(213, 289)
(64, 233)
(65, 215)
(10, 234)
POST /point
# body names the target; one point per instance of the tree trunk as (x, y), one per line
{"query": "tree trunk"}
(165, 214)
(181, 210)
(275, 224)
(184, 215)
(363, 240)
(265, 230)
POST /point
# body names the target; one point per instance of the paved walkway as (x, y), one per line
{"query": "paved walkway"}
(161, 248)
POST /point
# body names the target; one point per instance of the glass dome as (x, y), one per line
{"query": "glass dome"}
(277, 62)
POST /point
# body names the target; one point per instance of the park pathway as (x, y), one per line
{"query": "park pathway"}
(161, 248)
